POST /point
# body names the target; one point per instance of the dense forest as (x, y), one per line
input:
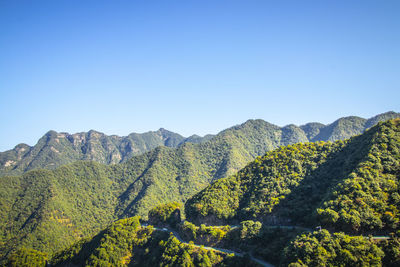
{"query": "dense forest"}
(127, 243)
(348, 185)
(130, 242)
(50, 209)
(271, 207)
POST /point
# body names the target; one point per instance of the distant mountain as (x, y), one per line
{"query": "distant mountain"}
(196, 139)
(344, 128)
(48, 210)
(55, 149)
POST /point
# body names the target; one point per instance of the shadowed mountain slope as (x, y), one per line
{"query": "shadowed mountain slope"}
(349, 186)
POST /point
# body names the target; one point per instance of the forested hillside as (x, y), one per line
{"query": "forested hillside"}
(50, 209)
(349, 186)
(127, 243)
(55, 149)
(347, 190)
(172, 242)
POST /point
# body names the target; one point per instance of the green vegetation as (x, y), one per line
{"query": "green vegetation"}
(27, 258)
(263, 241)
(344, 128)
(48, 210)
(116, 243)
(323, 249)
(126, 243)
(368, 200)
(204, 235)
(349, 186)
(260, 186)
(166, 214)
(270, 242)
(391, 248)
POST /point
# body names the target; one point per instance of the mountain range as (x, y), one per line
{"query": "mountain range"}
(304, 204)
(56, 149)
(49, 209)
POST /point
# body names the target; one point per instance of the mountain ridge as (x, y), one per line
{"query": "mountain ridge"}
(55, 149)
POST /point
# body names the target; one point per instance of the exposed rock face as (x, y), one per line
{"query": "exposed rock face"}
(55, 149)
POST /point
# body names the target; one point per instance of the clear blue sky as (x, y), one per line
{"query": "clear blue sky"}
(192, 66)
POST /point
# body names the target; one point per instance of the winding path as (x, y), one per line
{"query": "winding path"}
(228, 251)
(223, 250)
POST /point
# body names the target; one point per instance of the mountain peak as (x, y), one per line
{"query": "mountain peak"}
(21, 146)
(51, 133)
(163, 130)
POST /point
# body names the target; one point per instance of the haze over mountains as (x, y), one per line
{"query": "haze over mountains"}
(55, 149)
